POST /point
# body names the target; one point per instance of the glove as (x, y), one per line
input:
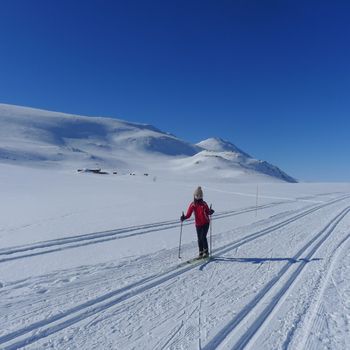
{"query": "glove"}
(183, 217)
(211, 211)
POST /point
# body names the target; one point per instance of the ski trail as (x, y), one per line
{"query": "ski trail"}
(263, 232)
(300, 199)
(61, 244)
(311, 320)
(257, 321)
(76, 314)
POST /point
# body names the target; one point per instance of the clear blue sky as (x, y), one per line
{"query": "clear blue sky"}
(272, 76)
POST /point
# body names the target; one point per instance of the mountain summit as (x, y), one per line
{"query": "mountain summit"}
(37, 137)
(216, 144)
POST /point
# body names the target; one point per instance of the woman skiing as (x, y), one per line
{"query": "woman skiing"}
(202, 220)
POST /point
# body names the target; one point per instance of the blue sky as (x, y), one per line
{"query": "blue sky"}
(271, 76)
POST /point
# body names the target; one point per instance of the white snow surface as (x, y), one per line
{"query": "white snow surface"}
(40, 138)
(90, 261)
(217, 144)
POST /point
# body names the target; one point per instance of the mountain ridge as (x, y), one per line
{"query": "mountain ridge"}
(30, 136)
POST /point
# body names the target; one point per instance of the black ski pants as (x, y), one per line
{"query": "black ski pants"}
(202, 237)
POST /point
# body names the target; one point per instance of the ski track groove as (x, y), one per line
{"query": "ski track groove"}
(316, 306)
(71, 242)
(227, 331)
(95, 237)
(91, 307)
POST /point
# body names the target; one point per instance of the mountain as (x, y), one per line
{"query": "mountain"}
(226, 151)
(37, 137)
(32, 135)
(217, 144)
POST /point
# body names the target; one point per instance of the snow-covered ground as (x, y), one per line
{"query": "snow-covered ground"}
(91, 262)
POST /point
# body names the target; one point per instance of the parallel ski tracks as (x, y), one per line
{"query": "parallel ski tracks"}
(60, 244)
(62, 320)
(55, 245)
(258, 317)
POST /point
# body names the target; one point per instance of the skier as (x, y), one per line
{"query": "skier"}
(202, 220)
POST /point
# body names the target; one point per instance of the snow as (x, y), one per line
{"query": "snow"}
(90, 261)
(216, 144)
(34, 137)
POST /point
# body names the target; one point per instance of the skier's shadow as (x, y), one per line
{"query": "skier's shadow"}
(218, 259)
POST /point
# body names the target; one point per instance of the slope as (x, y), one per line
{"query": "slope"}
(33, 137)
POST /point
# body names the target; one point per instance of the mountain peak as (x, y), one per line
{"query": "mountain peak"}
(217, 144)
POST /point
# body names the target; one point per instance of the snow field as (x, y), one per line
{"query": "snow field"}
(108, 276)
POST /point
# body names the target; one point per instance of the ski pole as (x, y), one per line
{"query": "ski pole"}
(256, 202)
(180, 237)
(211, 229)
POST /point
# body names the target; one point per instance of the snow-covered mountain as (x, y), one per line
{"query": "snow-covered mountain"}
(31, 136)
(217, 144)
(226, 154)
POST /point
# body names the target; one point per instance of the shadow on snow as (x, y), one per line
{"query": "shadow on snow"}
(218, 259)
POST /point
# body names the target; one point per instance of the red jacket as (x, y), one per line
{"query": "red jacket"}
(201, 212)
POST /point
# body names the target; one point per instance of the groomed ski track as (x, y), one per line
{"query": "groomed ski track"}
(59, 244)
(226, 310)
(55, 245)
